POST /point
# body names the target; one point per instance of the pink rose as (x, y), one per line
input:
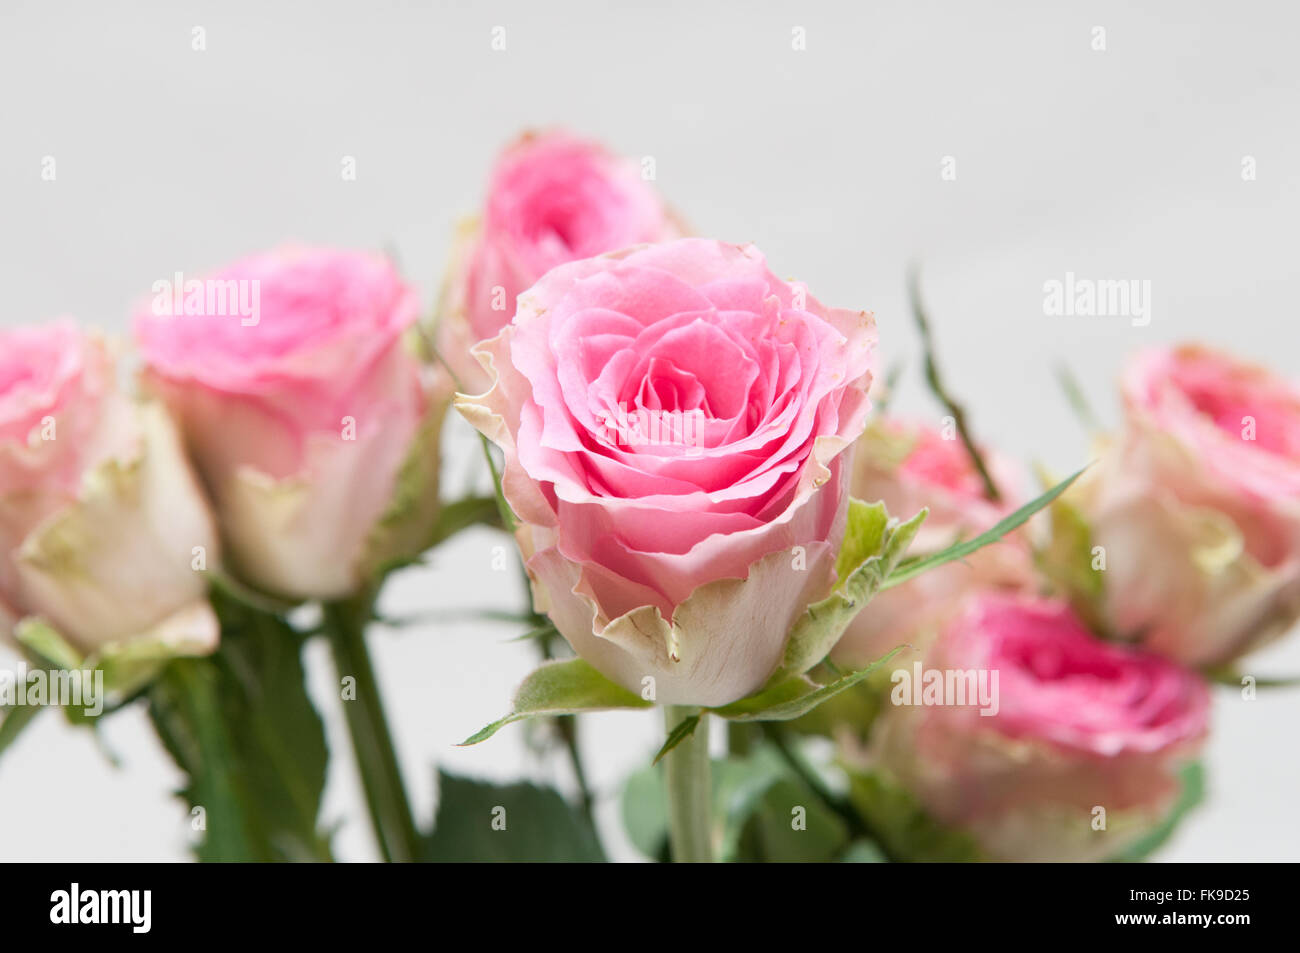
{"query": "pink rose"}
(674, 419)
(103, 530)
(552, 199)
(1197, 507)
(1074, 724)
(908, 466)
(299, 407)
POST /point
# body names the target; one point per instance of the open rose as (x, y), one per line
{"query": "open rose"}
(1196, 507)
(674, 420)
(1075, 724)
(301, 419)
(104, 534)
(552, 198)
(909, 466)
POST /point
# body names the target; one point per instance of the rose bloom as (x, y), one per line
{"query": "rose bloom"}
(1197, 507)
(1079, 724)
(300, 417)
(910, 465)
(103, 529)
(675, 420)
(552, 198)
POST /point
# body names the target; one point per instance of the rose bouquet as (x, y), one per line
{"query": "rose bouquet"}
(717, 514)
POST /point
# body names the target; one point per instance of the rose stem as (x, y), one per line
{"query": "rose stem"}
(381, 776)
(955, 410)
(686, 770)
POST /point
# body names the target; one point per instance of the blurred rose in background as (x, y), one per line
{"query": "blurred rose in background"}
(552, 198)
(1080, 725)
(104, 533)
(1196, 507)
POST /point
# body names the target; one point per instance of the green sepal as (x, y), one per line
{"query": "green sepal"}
(566, 687)
(873, 546)
(911, 568)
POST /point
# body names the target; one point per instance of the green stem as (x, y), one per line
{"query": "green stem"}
(686, 770)
(381, 775)
(955, 410)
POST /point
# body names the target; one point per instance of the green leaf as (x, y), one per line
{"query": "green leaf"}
(241, 726)
(863, 852)
(685, 728)
(794, 697)
(792, 825)
(873, 546)
(740, 786)
(914, 567)
(855, 709)
(1192, 779)
(903, 825)
(562, 688)
(788, 691)
(482, 822)
(644, 806)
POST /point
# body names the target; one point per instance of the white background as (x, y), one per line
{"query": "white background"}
(1117, 164)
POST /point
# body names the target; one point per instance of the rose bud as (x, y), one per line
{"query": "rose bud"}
(674, 420)
(1071, 754)
(909, 466)
(1196, 508)
(301, 406)
(104, 533)
(552, 198)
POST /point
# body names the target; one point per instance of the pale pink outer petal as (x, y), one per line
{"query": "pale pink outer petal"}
(728, 636)
(496, 415)
(120, 560)
(1178, 576)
